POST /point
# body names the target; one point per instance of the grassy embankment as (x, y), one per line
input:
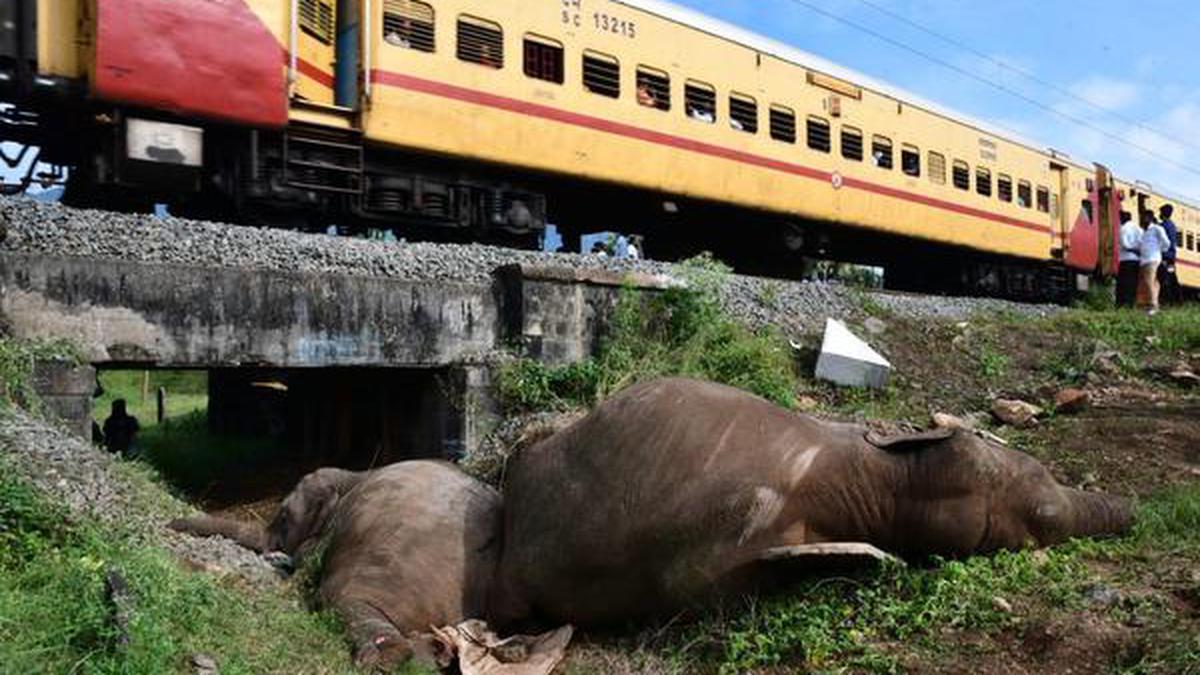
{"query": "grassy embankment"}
(947, 615)
(56, 615)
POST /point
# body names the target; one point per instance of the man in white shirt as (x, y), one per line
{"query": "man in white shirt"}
(1127, 274)
(1154, 244)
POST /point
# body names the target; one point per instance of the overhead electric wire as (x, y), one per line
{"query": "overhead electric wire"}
(1000, 63)
(979, 78)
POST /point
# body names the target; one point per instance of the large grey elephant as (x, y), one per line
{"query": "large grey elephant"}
(674, 489)
(406, 547)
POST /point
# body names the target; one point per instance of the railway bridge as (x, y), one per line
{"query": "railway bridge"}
(350, 364)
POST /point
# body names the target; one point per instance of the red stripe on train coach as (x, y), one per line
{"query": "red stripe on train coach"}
(450, 91)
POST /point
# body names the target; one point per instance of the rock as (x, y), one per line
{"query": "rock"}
(1106, 362)
(874, 326)
(1184, 377)
(947, 421)
(807, 404)
(1072, 401)
(1002, 605)
(204, 664)
(847, 360)
(1016, 413)
(1090, 479)
(1101, 595)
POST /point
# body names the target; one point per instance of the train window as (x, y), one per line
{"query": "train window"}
(881, 152)
(819, 137)
(937, 168)
(701, 101)
(1025, 195)
(653, 88)
(852, 144)
(480, 41)
(1004, 188)
(743, 113)
(783, 124)
(601, 74)
(316, 19)
(1191, 241)
(409, 24)
(962, 175)
(983, 181)
(1043, 199)
(910, 161)
(543, 59)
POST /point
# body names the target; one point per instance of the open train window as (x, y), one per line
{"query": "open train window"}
(881, 152)
(819, 137)
(543, 59)
(601, 74)
(701, 101)
(962, 175)
(408, 24)
(783, 124)
(1191, 241)
(852, 144)
(937, 168)
(1025, 195)
(1043, 199)
(910, 160)
(316, 19)
(983, 181)
(1004, 188)
(653, 88)
(743, 113)
(480, 41)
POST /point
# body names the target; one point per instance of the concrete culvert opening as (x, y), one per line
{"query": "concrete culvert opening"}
(238, 438)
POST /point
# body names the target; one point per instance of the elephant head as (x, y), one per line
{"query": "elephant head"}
(305, 512)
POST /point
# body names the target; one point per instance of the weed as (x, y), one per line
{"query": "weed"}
(768, 295)
(18, 359)
(1134, 333)
(680, 331)
(993, 365)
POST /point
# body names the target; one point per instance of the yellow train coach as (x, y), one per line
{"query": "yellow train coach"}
(490, 119)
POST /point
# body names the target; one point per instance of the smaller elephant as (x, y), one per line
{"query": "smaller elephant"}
(408, 547)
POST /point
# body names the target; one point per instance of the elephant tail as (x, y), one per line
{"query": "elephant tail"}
(249, 535)
(1098, 514)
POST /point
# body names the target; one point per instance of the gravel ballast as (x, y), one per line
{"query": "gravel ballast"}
(90, 483)
(799, 308)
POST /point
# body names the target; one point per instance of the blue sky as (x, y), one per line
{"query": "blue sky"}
(1139, 60)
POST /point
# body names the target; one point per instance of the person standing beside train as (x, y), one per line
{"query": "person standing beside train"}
(1127, 274)
(1154, 243)
(1167, 280)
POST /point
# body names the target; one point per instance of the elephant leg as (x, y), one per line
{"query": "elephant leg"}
(378, 644)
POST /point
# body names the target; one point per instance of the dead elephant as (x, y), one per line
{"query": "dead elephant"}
(408, 547)
(676, 488)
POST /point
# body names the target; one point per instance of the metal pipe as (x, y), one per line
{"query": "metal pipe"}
(293, 43)
(366, 50)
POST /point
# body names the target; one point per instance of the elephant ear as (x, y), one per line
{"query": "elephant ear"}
(909, 442)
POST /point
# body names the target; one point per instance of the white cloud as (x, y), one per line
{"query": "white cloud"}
(1107, 93)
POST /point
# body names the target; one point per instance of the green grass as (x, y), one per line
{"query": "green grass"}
(55, 617)
(680, 331)
(1132, 332)
(848, 624)
(187, 392)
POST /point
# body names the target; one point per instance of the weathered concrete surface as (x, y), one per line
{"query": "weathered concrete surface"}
(558, 314)
(66, 390)
(172, 316)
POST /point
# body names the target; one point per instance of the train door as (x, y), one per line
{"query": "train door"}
(1108, 221)
(313, 57)
(349, 53)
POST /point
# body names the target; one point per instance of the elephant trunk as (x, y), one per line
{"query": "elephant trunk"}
(1097, 514)
(249, 535)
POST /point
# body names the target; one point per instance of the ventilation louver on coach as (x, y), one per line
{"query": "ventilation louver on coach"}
(316, 19)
